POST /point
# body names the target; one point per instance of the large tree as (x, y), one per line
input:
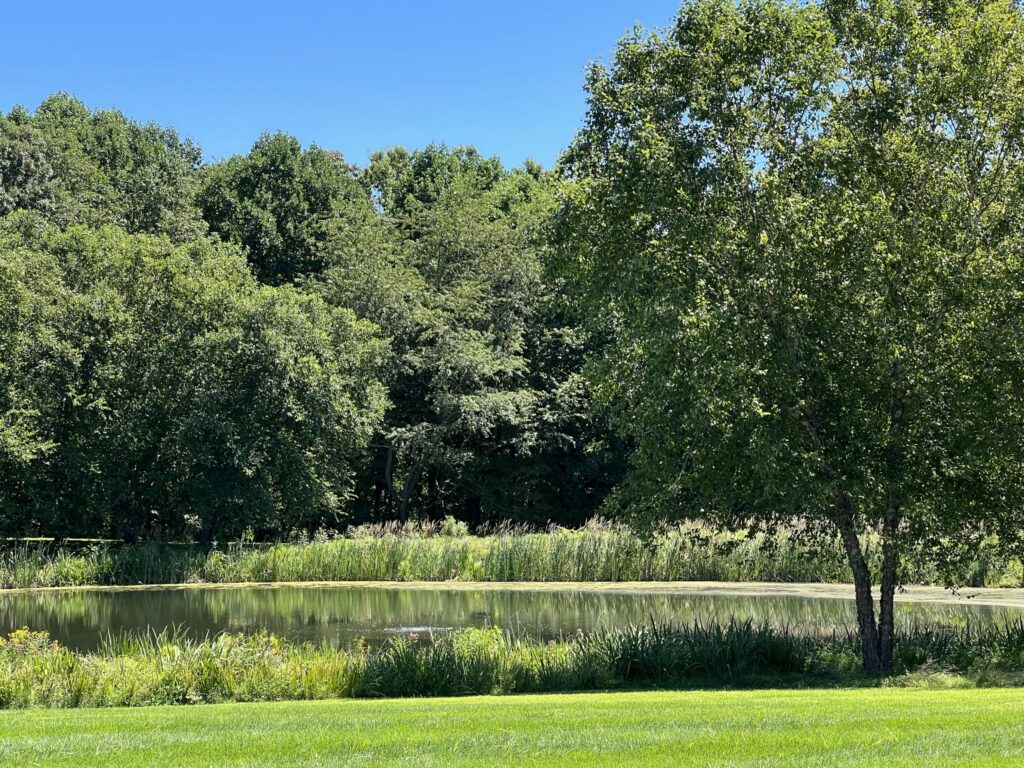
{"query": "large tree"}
(488, 416)
(75, 166)
(149, 389)
(464, 235)
(801, 228)
(283, 204)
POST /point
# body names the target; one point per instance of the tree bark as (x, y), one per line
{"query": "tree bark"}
(377, 505)
(474, 511)
(890, 563)
(866, 626)
(411, 481)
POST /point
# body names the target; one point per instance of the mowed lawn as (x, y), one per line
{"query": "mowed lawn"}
(861, 727)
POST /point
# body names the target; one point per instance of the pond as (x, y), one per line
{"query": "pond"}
(339, 614)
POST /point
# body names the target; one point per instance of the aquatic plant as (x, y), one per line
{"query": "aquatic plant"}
(173, 668)
(439, 552)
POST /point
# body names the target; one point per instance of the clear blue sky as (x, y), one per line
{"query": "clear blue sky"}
(352, 76)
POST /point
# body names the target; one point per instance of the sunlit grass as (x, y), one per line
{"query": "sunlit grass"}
(842, 728)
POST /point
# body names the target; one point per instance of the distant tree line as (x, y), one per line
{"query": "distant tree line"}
(279, 341)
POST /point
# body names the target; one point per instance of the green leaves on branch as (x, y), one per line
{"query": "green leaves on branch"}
(800, 229)
(154, 389)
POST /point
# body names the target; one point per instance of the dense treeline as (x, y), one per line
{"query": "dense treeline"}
(279, 341)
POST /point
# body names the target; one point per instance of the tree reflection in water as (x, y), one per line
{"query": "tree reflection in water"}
(340, 614)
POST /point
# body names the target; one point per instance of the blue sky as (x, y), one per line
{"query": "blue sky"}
(352, 76)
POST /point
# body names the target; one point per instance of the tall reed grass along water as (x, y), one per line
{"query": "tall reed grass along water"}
(173, 669)
(597, 552)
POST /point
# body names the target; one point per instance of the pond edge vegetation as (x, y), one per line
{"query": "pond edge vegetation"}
(752, 293)
(599, 552)
(171, 668)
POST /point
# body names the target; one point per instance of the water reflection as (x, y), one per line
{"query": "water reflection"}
(340, 614)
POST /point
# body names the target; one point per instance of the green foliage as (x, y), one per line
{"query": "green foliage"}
(80, 167)
(27, 179)
(151, 387)
(800, 228)
(788, 244)
(283, 205)
(404, 182)
(488, 418)
(167, 668)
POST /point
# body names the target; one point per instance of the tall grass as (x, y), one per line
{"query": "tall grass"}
(598, 552)
(170, 668)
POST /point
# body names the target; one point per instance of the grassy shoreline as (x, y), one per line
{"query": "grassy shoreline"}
(845, 728)
(602, 553)
(169, 668)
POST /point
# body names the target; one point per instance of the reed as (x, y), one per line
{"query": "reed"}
(438, 552)
(171, 668)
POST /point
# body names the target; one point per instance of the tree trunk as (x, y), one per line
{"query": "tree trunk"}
(377, 505)
(435, 503)
(890, 562)
(389, 481)
(411, 481)
(474, 511)
(866, 626)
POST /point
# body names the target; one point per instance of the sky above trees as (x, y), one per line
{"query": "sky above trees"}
(351, 76)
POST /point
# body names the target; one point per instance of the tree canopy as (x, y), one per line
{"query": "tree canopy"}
(151, 387)
(278, 341)
(800, 228)
(74, 166)
(282, 205)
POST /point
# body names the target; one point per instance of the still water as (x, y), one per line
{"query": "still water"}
(339, 614)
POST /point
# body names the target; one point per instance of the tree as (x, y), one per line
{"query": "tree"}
(80, 167)
(404, 182)
(27, 180)
(488, 416)
(149, 389)
(282, 204)
(801, 228)
(463, 234)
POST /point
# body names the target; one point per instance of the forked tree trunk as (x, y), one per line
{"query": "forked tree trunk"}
(877, 639)
(401, 502)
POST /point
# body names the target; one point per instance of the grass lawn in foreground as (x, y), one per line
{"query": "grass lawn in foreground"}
(858, 727)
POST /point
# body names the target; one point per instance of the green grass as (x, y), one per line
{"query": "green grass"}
(600, 552)
(723, 728)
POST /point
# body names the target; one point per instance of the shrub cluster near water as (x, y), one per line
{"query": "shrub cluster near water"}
(598, 552)
(170, 669)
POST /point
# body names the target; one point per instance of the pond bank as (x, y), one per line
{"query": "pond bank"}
(169, 668)
(599, 554)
